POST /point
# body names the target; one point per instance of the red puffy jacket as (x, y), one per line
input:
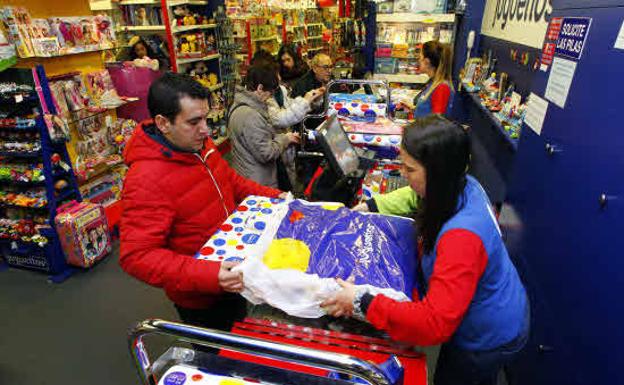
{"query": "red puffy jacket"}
(172, 202)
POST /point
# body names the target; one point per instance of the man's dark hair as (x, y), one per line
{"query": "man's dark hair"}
(264, 75)
(443, 149)
(165, 94)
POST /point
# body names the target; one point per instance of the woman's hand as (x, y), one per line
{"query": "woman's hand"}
(342, 303)
(312, 96)
(362, 207)
(293, 138)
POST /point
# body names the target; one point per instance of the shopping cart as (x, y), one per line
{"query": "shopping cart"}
(205, 357)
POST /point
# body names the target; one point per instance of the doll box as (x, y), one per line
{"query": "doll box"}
(83, 232)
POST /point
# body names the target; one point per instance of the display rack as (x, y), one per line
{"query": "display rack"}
(46, 254)
(398, 39)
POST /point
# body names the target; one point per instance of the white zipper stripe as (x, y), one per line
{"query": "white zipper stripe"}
(203, 160)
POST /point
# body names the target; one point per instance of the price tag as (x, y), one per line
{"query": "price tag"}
(19, 98)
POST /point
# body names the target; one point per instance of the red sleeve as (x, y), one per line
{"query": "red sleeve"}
(439, 98)
(145, 225)
(460, 262)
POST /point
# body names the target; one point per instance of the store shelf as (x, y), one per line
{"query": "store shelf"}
(314, 37)
(77, 116)
(66, 195)
(18, 100)
(139, 2)
(8, 154)
(474, 96)
(292, 27)
(415, 18)
(186, 28)
(72, 53)
(9, 205)
(274, 37)
(314, 49)
(187, 2)
(314, 24)
(141, 28)
(22, 184)
(397, 78)
(193, 60)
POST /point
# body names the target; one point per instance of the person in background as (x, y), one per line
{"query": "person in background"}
(469, 298)
(285, 112)
(256, 146)
(317, 77)
(292, 66)
(177, 192)
(140, 49)
(436, 97)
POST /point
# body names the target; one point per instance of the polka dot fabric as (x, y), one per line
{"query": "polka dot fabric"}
(240, 231)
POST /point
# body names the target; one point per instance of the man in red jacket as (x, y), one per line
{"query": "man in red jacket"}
(177, 192)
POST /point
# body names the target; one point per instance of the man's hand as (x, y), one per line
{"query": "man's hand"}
(342, 303)
(228, 280)
(283, 195)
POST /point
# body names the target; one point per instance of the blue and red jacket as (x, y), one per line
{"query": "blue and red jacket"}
(473, 296)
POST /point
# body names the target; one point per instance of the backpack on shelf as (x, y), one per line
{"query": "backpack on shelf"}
(83, 232)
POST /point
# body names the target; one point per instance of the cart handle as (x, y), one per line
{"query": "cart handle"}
(222, 340)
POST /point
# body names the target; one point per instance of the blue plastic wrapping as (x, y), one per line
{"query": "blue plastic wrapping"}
(375, 249)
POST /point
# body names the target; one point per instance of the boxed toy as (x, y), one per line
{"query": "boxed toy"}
(83, 232)
(291, 251)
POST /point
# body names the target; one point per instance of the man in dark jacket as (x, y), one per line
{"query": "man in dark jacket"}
(177, 192)
(318, 76)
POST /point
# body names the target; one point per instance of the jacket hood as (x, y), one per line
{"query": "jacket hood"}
(147, 144)
(244, 97)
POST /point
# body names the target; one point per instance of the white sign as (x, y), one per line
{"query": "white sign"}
(619, 41)
(518, 21)
(560, 80)
(535, 113)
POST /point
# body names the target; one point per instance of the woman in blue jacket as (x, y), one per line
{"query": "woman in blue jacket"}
(470, 297)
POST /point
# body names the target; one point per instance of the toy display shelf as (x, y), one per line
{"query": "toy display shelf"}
(48, 258)
(20, 154)
(187, 2)
(274, 37)
(139, 2)
(141, 28)
(494, 120)
(415, 18)
(186, 28)
(314, 37)
(77, 116)
(192, 60)
(401, 78)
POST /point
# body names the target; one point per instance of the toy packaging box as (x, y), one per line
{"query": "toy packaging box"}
(354, 106)
(83, 232)
(291, 251)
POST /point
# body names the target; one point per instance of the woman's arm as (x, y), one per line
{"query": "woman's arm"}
(440, 98)
(294, 113)
(460, 263)
(403, 202)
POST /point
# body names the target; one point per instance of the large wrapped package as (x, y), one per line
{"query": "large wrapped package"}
(292, 251)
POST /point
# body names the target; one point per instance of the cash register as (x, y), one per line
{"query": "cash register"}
(345, 167)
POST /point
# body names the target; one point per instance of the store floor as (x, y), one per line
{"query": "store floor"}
(74, 332)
